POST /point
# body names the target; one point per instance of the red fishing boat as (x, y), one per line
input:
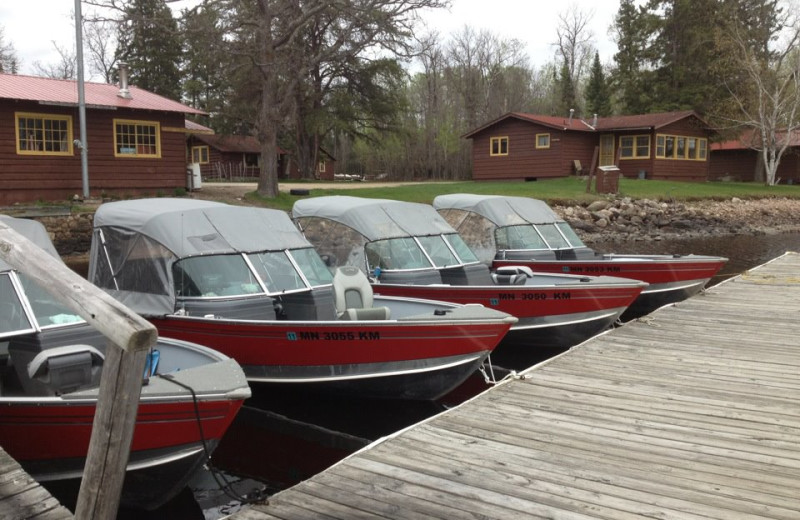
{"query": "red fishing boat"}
(245, 281)
(516, 231)
(50, 366)
(409, 250)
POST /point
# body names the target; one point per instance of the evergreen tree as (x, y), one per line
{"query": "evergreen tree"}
(597, 91)
(569, 101)
(149, 41)
(632, 79)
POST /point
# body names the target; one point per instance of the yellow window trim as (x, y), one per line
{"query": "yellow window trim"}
(322, 166)
(135, 155)
(43, 117)
(701, 144)
(499, 141)
(634, 147)
(537, 141)
(200, 149)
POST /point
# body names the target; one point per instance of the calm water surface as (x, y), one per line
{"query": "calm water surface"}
(281, 438)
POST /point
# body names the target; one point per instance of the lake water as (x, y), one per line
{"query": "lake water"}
(281, 438)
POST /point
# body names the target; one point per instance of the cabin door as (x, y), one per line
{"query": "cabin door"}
(606, 150)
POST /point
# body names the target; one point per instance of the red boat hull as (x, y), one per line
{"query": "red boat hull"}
(671, 278)
(549, 315)
(50, 438)
(385, 359)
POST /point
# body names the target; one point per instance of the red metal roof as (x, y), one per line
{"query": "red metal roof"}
(643, 120)
(603, 124)
(749, 140)
(196, 128)
(65, 92)
(234, 143)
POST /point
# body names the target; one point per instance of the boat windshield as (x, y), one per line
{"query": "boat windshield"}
(518, 237)
(279, 274)
(214, 275)
(269, 272)
(396, 253)
(438, 251)
(569, 233)
(12, 314)
(540, 236)
(461, 248)
(312, 266)
(47, 311)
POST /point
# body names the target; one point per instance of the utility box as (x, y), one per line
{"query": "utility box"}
(194, 179)
(607, 179)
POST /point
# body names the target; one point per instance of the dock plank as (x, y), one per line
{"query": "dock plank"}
(690, 412)
(22, 498)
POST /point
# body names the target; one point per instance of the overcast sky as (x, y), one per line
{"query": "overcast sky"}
(32, 25)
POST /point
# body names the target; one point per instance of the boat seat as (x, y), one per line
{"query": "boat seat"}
(512, 275)
(353, 296)
(60, 370)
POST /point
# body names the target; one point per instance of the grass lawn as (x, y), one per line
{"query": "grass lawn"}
(566, 190)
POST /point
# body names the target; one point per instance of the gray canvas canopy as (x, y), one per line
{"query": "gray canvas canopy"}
(375, 219)
(189, 227)
(136, 243)
(33, 231)
(500, 210)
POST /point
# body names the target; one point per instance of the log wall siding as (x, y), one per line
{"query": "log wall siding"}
(681, 170)
(740, 165)
(27, 178)
(524, 160)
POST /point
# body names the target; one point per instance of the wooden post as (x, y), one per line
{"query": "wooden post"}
(130, 337)
(595, 159)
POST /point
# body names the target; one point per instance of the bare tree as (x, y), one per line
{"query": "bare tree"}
(101, 45)
(574, 45)
(65, 68)
(767, 94)
(9, 62)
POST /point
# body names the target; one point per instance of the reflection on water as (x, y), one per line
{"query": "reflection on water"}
(281, 438)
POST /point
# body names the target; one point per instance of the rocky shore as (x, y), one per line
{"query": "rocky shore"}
(625, 219)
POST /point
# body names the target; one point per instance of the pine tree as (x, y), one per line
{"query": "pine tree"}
(597, 91)
(569, 100)
(149, 41)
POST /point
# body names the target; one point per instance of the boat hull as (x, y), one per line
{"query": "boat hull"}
(551, 312)
(671, 278)
(50, 439)
(405, 359)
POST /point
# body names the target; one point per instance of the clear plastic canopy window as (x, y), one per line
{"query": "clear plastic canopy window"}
(418, 252)
(540, 236)
(46, 311)
(272, 272)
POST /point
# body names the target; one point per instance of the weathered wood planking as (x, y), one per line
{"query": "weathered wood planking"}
(21, 497)
(691, 412)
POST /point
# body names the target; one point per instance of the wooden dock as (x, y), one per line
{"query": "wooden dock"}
(22, 497)
(691, 412)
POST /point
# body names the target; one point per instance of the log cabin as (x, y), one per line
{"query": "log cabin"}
(739, 160)
(227, 157)
(521, 146)
(135, 140)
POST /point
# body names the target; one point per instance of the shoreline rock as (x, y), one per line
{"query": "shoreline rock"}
(625, 219)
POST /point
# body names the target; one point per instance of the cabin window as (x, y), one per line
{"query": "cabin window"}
(43, 134)
(322, 166)
(634, 147)
(542, 141)
(137, 138)
(498, 146)
(681, 147)
(200, 154)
